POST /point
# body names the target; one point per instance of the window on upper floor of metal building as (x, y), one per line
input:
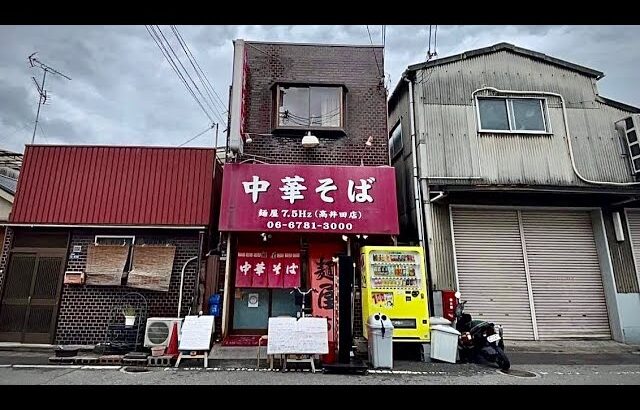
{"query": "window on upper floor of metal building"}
(395, 141)
(310, 107)
(513, 115)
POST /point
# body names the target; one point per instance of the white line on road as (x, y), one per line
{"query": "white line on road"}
(45, 366)
(100, 367)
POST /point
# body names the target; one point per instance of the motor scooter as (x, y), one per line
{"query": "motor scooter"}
(479, 338)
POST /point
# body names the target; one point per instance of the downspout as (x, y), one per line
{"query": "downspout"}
(414, 160)
(182, 282)
(227, 286)
(566, 129)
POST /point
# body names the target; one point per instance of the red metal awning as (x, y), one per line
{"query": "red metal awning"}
(103, 185)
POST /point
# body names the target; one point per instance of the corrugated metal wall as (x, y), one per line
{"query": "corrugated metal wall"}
(446, 120)
(399, 111)
(441, 248)
(115, 186)
(624, 270)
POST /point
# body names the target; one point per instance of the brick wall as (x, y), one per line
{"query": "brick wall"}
(85, 310)
(7, 238)
(365, 107)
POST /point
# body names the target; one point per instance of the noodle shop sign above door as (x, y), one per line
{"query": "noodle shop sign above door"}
(312, 198)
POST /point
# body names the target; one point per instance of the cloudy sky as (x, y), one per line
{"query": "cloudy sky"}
(123, 91)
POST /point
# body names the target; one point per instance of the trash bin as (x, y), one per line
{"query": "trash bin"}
(444, 343)
(380, 332)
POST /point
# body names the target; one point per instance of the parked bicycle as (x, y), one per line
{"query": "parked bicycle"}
(303, 294)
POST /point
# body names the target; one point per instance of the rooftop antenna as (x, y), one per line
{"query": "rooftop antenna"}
(34, 62)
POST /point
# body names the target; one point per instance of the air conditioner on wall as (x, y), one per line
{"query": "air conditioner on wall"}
(158, 330)
(629, 129)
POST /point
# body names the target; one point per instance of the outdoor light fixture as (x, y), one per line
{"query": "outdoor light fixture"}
(345, 238)
(248, 139)
(310, 141)
(369, 141)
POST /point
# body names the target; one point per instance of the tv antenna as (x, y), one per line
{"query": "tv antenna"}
(41, 91)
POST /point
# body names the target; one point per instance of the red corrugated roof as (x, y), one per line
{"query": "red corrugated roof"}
(102, 185)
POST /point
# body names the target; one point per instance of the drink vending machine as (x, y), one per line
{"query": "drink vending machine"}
(394, 283)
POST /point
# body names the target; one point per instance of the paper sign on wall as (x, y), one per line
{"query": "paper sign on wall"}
(254, 300)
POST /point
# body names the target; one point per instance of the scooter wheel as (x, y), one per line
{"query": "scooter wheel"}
(502, 360)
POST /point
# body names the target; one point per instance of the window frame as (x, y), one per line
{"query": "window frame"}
(132, 237)
(544, 104)
(276, 110)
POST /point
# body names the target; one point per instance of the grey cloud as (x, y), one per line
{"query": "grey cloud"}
(124, 92)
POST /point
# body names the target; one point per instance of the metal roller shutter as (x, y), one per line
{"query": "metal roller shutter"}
(491, 268)
(565, 275)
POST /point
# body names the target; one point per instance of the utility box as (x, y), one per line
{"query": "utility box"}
(449, 303)
(444, 343)
(380, 329)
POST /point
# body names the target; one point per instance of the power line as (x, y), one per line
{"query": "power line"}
(221, 102)
(192, 138)
(187, 73)
(156, 38)
(374, 52)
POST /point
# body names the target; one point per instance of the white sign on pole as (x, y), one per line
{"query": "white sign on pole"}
(307, 335)
(196, 333)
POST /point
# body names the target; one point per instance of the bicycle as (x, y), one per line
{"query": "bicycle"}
(304, 296)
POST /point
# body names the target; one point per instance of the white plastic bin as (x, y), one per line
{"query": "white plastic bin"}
(444, 343)
(380, 332)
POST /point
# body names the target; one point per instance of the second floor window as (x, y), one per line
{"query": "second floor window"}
(308, 107)
(517, 115)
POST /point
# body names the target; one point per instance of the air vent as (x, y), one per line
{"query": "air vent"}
(629, 129)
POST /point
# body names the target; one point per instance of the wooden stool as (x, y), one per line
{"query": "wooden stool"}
(270, 357)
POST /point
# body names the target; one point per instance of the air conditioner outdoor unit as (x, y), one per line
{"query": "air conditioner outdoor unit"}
(158, 331)
(629, 129)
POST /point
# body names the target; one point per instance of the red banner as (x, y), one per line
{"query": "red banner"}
(323, 272)
(309, 198)
(267, 268)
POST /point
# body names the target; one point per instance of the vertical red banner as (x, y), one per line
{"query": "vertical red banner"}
(260, 271)
(291, 265)
(323, 271)
(276, 271)
(244, 269)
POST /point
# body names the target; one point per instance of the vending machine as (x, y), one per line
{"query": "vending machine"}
(394, 282)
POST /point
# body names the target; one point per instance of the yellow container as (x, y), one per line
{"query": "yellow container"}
(394, 282)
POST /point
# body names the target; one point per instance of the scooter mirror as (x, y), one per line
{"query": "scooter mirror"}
(457, 295)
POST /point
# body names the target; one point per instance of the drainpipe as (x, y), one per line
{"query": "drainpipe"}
(182, 282)
(414, 160)
(566, 129)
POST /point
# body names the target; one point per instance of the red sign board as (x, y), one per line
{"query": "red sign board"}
(311, 198)
(267, 268)
(323, 271)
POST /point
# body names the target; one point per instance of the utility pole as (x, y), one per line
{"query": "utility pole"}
(43, 93)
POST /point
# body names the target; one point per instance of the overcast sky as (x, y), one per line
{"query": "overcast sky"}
(123, 91)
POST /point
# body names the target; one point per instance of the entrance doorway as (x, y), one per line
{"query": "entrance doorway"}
(31, 294)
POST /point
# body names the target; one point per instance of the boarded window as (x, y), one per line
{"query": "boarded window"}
(105, 264)
(152, 266)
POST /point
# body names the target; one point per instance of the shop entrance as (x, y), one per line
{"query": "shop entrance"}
(253, 307)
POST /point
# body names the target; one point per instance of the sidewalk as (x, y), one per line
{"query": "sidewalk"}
(582, 352)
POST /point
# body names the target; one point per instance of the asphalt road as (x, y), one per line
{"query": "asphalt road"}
(440, 374)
